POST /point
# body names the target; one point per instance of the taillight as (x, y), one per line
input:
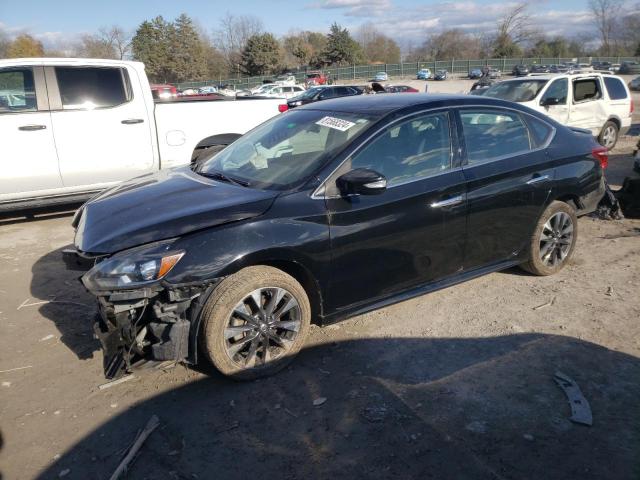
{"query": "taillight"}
(602, 155)
(283, 107)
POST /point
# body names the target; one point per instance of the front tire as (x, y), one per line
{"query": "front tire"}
(609, 135)
(255, 322)
(553, 240)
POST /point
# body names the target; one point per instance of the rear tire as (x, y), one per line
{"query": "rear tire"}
(245, 340)
(609, 135)
(553, 240)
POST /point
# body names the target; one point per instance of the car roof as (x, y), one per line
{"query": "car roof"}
(384, 104)
(68, 61)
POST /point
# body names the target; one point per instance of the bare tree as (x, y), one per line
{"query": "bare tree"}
(111, 42)
(232, 36)
(516, 24)
(605, 19)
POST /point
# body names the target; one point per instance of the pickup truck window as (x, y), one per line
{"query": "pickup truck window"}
(17, 91)
(86, 88)
(585, 90)
(615, 88)
(558, 90)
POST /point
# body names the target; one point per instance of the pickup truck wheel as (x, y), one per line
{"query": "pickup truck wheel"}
(553, 240)
(609, 135)
(255, 322)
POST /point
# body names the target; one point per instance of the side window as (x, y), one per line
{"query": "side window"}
(540, 131)
(615, 88)
(328, 93)
(558, 90)
(586, 90)
(410, 150)
(17, 90)
(491, 134)
(89, 87)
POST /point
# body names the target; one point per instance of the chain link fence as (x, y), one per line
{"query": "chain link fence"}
(458, 68)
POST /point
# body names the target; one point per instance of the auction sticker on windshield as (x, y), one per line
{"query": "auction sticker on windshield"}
(335, 123)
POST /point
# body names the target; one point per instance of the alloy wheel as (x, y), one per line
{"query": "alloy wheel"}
(609, 136)
(262, 327)
(556, 239)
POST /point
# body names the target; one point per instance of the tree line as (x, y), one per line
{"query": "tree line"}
(180, 50)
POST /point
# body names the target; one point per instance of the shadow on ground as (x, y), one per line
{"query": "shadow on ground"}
(396, 408)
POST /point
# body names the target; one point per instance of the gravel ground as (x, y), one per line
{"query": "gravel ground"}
(454, 384)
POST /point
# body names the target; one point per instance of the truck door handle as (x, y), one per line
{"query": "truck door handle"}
(132, 121)
(538, 179)
(32, 128)
(449, 202)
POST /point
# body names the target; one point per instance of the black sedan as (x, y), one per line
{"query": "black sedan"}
(316, 94)
(520, 71)
(328, 211)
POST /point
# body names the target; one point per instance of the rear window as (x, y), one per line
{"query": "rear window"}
(586, 90)
(615, 88)
(90, 87)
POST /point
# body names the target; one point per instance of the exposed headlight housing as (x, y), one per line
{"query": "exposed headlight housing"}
(132, 269)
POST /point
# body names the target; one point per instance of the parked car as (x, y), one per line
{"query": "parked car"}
(495, 73)
(325, 92)
(600, 103)
(635, 84)
(94, 123)
(540, 69)
(328, 211)
(475, 73)
(208, 89)
(629, 68)
(400, 89)
(286, 79)
(316, 78)
(601, 66)
(163, 91)
(520, 71)
(256, 90)
(381, 77)
(441, 75)
(280, 91)
(560, 68)
(423, 74)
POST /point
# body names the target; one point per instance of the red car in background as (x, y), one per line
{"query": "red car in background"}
(164, 91)
(316, 78)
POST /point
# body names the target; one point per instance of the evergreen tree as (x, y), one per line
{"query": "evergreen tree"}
(151, 45)
(341, 49)
(187, 50)
(261, 55)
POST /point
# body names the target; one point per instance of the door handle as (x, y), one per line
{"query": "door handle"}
(32, 128)
(538, 179)
(449, 202)
(132, 121)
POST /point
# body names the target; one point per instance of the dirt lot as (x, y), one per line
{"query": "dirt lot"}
(454, 384)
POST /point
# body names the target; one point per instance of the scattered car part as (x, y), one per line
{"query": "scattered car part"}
(580, 409)
(152, 424)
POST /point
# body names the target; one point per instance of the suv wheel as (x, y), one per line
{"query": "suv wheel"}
(553, 240)
(609, 135)
(255, 322)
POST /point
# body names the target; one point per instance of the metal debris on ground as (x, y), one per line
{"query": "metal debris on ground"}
(15, 369)
(580, 409)
(319, 401)
(544, 305)
(609, 207)
(152, 424)
(126, 378)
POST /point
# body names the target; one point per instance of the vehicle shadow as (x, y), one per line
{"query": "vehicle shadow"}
(69, 306)
(395, 408)
(34, 214)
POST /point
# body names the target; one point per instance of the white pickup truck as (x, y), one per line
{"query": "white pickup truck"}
(72, 127)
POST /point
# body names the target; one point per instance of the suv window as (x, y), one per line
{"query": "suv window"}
(17, 91)
(91, 87)
(559, 90)
(615, 88)
(585, 90)
(491, 134)
(411, 150)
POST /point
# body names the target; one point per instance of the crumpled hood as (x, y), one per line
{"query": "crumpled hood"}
(163, 205)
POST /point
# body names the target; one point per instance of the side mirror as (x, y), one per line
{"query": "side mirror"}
(549, 101)
(361, 181)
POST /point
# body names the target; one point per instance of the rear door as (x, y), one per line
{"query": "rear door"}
(509, 178)
(619, 99)
(588, 108)
(102, 128)
(410, 234)
(28, 159)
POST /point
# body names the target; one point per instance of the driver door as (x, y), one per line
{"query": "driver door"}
(557, 93)
(412, 233)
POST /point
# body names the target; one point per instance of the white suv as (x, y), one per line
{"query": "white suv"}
(597, 102)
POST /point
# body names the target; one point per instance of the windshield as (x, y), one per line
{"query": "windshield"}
(516, 91)
(285, 150)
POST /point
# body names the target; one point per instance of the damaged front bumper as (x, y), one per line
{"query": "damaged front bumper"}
(154, 324)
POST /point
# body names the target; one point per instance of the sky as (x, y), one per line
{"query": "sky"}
(55, 22)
